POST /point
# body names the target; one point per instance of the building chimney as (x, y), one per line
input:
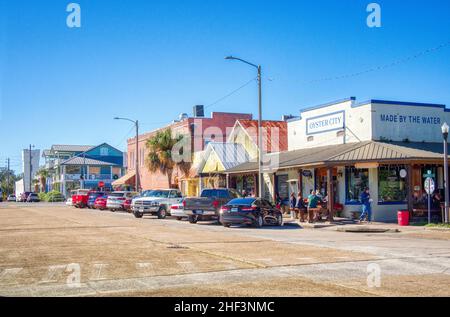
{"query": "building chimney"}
(199, 111)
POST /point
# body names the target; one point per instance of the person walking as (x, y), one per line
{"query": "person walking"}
(366, 206)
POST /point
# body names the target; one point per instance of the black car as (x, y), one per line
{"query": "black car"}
(250, 211)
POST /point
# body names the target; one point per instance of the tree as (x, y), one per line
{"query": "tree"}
(7, 187)
(43, 175)
(160, 154)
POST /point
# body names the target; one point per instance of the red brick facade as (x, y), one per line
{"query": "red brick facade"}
(204, 129)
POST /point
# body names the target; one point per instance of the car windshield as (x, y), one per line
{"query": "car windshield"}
(157, 193)
(242, 202)
(116, 194)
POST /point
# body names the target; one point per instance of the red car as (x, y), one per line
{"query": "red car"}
(80, 199)
(100, 202)
(127, 204)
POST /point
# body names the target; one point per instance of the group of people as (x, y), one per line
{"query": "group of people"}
(301, 209)
(304, 210)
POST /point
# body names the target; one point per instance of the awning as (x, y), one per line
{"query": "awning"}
(128, 179)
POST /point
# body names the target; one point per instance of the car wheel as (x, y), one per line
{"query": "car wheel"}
(280, 222)
(162, 214)
(179, 218)
(193, 219)
(138, 214)
(259, 222)
(226, 225)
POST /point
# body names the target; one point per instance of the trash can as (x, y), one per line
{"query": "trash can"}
(403, 218)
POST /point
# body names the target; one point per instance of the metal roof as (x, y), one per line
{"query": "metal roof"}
(229, 154)
(350, 153)
(79, 160)
(71, 148)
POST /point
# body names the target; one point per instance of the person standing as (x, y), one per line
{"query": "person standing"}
(313, 201)
(366, 206)
(292, 204)
(300, 207)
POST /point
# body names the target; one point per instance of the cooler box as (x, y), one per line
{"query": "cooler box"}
(403, 218)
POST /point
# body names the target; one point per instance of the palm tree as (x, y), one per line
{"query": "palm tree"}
(43, 174)
(159, 158)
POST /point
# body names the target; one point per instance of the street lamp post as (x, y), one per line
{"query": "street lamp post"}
(31, 166)
(260, 138)
(136, 123)
(445, 131)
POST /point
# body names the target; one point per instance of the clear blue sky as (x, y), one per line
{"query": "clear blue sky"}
(152, 60)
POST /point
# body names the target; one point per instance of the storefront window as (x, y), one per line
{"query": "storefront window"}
(357, 181)
(392, 187)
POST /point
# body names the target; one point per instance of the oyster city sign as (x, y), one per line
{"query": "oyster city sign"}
(325, 123)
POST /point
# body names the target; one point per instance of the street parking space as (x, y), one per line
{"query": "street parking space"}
(53, 249)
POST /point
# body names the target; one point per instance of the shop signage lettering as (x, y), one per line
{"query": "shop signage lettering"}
(329, 122)
(396, 118)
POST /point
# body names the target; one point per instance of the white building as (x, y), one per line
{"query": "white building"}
(28, 156)
(340, 148)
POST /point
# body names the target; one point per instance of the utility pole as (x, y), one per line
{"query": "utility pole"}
(7, 175)
(31, 167)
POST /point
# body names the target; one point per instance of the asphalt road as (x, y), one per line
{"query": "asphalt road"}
(56, 250)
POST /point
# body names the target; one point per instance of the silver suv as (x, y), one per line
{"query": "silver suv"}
(156, 202)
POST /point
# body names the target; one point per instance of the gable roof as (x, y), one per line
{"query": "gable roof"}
(104, 144)
(269, 127)
(229, 154)
(71, 148)
(79, 160)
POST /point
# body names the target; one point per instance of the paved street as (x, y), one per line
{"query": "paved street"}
(55, 250)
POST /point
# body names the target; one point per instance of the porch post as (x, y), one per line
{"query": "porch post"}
(410, 188)
(300, 181)
(228, 180)
(330, 191)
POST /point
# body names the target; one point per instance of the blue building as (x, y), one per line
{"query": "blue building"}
(75, 167)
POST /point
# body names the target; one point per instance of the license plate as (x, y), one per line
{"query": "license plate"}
(198, 212)
(234, 209)
(141, 209)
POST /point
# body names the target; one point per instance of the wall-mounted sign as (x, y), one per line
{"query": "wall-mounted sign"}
(307, 173)
(366, 165)
(325, 123)
(403, 173)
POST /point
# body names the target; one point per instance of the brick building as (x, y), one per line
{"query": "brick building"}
(203, 130)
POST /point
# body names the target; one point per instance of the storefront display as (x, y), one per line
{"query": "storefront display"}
(392, 187)
(357, 180)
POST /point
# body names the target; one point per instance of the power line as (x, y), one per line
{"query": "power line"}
(231, 93)
(382, 67)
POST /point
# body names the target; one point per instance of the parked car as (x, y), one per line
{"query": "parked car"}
(207, 206)
(33, 198)
(250, 211)
(11, 198)
(156, 202)
(69, 201)
(100, 202)
(80, 199)
(116, 200)
(92, 197)
(129, 201)
(177, 211)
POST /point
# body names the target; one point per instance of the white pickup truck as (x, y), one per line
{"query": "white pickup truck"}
(156, 202)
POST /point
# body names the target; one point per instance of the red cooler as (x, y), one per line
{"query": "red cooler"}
(403, 218)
